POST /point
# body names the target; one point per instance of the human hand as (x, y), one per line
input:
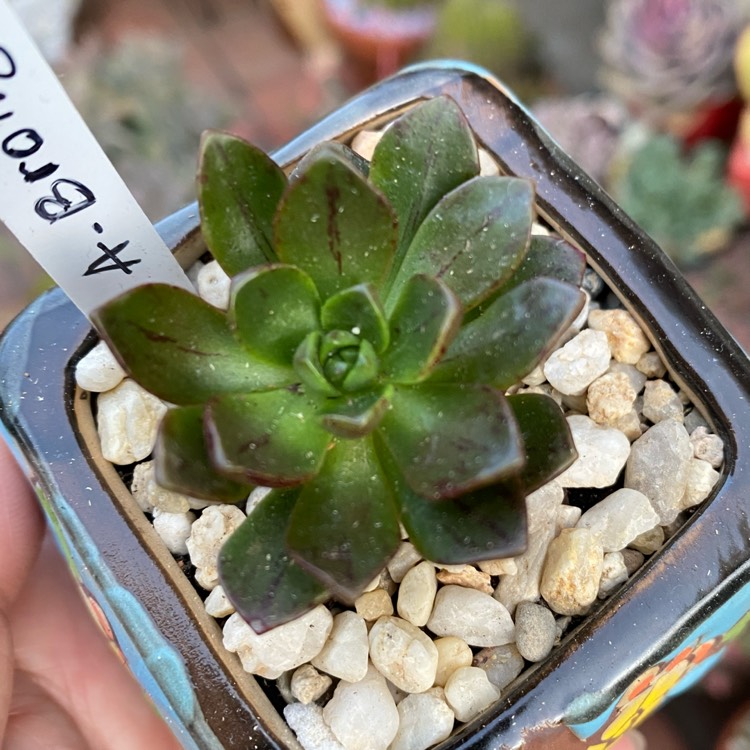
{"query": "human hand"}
(61, 684)
(633, 740)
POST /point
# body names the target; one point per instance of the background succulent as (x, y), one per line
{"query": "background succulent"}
(667, 56)
(379, 312)
(681, 199)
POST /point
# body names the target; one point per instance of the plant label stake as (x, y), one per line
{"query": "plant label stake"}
(59, 193)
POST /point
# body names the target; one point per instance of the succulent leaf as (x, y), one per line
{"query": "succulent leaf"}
(309, 368)
(182, 462)
(181, 348)
(359, 311)
(546, 256)
(356, 415)
(481, 525)
(513, 334)
(271, 438)
(449, 439)
(238, 192)
(344, 526)
(334, 226)
(425, 154)
(546, 437)
(473, 239)
(551, 257)
(265, 585)
(425, 320)
(273, 308)
(340, 151)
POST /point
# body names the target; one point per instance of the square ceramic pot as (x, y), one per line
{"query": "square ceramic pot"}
(655, 636)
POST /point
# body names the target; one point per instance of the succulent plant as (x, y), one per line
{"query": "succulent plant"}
(379, 313)
(667, 56)
(681, 199)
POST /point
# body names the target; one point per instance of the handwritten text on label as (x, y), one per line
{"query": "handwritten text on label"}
(59, 194)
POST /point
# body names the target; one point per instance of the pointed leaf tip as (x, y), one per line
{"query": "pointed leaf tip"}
(239, 189)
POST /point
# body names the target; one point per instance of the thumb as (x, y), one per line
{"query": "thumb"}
(21, 528)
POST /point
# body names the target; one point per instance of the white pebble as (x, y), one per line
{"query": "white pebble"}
(614, 573)
(282, 648)
(707, 446)
(658, 467)
(365, 141)
(363, 715)
(602, 454)
(570, 581)
(345, 653)
(453, 653)
(610, 398)
(128, 417)
(501, 664)
(99, 370)
(648, 542)
(619, 518)
(651, 366)
(477, 618)
(307, 684)
(254, 498)
(151, 496)
(217, 604)
(214, 285)
(403, 561)
(374, 604)
(499, 567)
(661, 402)
(174, 530)
(403, 654)
(487, 164)
(584, 358)
(469, 577)
(424, 720)
(626, 338)
(701, 480)
(635, 376)
(207, 536)
(469, 692)
(524, 585)
(567, 517)
(416, 595)
(307, 722)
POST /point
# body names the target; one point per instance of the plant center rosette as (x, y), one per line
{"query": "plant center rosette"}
(379, 313)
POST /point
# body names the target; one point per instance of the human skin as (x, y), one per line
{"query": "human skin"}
(61, 684)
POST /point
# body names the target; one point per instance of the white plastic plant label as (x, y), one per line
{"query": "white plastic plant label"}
(59, 193)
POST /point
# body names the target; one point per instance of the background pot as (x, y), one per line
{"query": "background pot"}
(379, 39)
(607, 674)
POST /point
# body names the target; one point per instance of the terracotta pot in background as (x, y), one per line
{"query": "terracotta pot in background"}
(379, 39)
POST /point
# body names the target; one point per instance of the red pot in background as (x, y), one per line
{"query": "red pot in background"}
(379, 39)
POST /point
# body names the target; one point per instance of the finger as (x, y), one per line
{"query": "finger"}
(58, 643)
(633, 740)
(21, 527)
(6, 672)
(36, 720)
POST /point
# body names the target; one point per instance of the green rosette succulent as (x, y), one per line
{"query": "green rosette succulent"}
(379, 314)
